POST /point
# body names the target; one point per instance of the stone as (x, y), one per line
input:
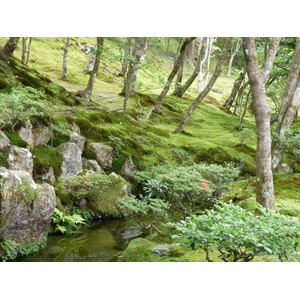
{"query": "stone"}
(72, 162)
(4, 141)
(35, 135)
(20, 159)
(75, 128)
(77, 139)
(130, 232)
(285, 168)
(26, 208)
(45, 175)
(92, 165)
(104, 154)
(127, 170)
(161, 250)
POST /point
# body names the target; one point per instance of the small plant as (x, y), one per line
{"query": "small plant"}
(8, 250)
(239, 235)
(22, 104)
(116, 143)
(181, 156)
(66, 224)
(245, 136)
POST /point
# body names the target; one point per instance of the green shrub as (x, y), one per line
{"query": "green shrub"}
(245, 136)
(240, 235)
(3, 160)
(8, 250)
(22, 104)
(181, 156)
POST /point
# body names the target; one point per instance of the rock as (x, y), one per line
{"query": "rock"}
(35, 135)
(127, 170)
(20, 159)
(75, 128)
(72, 162)
(285, 168)
(104, 154)
(26, 208)
(4, 141)
(92, 165)
(77, 139)
(131, 232)
(161, 250)
(45, 175)
(25, 133)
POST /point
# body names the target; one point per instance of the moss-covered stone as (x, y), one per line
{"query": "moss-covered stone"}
(3, 160)
(16, 140)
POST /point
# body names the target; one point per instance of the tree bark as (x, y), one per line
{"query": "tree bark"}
(180, 90)
(65, 58)
(139, 47)
(28, 51)
(201, 75)
(258, 78)
(236, 86)
(86, 93)
(126, 57)
(234, 51)
(288, 108)
(24, 39)
(9, 48)
(206, 90)
(177, 63)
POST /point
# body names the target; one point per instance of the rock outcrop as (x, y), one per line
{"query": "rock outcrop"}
(103, 153)
(20, 159)
(77, 139)
(128, 169)
(26, 208)
(92, 165)
(72, 161)
(4, 141)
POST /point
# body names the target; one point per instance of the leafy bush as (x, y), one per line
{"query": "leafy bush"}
(181, 156)
(196, 186)
(22, 104)
(66, 224)
(138, 208)
(239, 235)
(245, 136)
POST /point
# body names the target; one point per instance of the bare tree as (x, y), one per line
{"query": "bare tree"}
(86, 93)
(138, 52)
(258, 78)
(9, 48)
(288, 108)
(206, 90)
(233, 52)
(177, 63)
(65, 58)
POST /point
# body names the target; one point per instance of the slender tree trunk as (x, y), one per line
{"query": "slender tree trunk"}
(234, 52)
(86, 93)
(168, 44)
(24, 39)
(137, 52)
(210, 51)
(258, 78)
(9, 48)
(90, 62)
(180, 57)
(28, 51)
(239, 97)
(179, 76)
(236, 86)
(206, 90)
(65, 58)
(288, 108)
(241, 118)
(126, 57)
(180, 90)
(201, 75)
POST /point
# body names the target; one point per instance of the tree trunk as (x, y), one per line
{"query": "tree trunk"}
(137, 53)
(236, 86)
(258, 78)
(206, 90)
(234, 52)
(177, 63)
(210, 51)
(24, 39)
(86, 93)
(9, 48)
(65, 58)
(180, 90)
(90, 62)
(201, 75)
(191, 52)
(126, 57)
(288, 108)
(28, 51)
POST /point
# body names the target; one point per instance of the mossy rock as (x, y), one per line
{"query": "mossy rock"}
(89, 153)
(45, 157)
(3, 160)
(15, 139)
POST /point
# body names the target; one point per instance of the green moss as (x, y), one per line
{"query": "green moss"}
(44, 157)
(16, 140)
(29, 248)
(89, 153)
(3, 160)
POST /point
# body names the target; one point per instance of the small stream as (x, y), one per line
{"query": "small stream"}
(104, 241)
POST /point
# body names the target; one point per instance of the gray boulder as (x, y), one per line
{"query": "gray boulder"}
(77, 139)
(72, 162)
(4, 141)
(127, 170)
(45, 175)
(92, 165)
(104, 154)
(161, 250)
(26, 208)
(20, 159)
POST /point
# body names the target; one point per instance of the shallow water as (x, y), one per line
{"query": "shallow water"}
(103, 242)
